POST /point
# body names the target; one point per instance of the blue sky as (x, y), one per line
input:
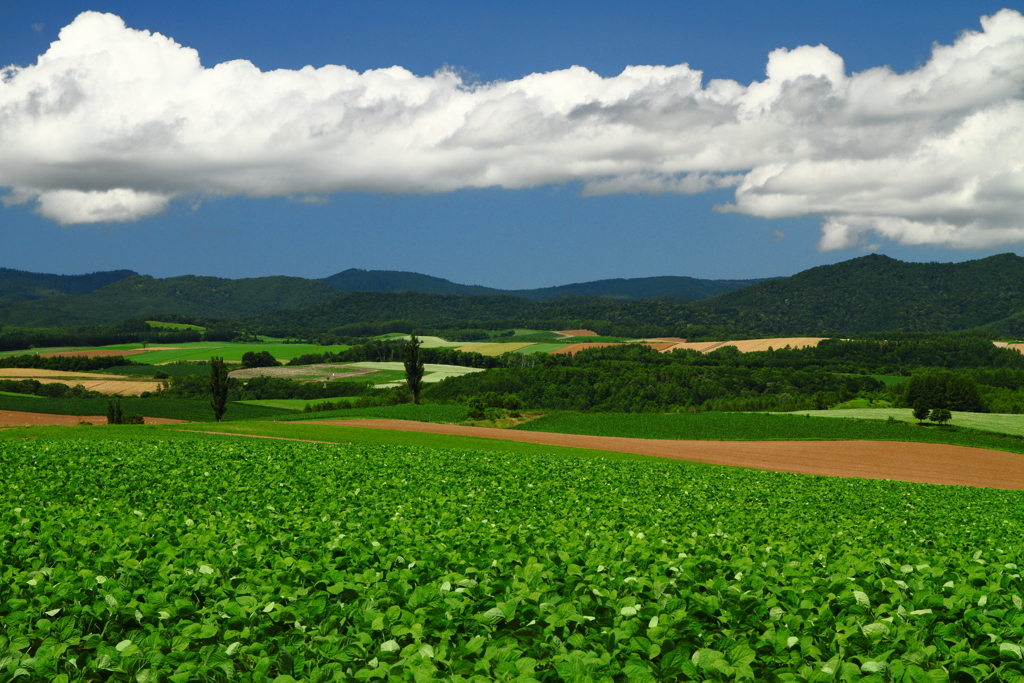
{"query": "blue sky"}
(550, 224)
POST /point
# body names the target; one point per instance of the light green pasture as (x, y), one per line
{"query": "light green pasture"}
(195, 351)
(1000, 423)
(541, 348)
(175, 326)
(432, 372)
(428, 342)
(297, 403)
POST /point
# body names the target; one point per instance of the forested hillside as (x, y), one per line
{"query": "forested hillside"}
(356, 280)
(875, 293)
(868, 294)
(20, 285)
(141, 296)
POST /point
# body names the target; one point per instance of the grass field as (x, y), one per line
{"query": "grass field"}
(175, 326)
(186, 557)
(433, 372)
(405, 411)
(171, 370)
(24, 352)
(230, 352)
(174, 408)
(990, 422)
(495, 349)
(427, 342)
(296, 403)
(541, 348)
(11, 393)
(761, 427)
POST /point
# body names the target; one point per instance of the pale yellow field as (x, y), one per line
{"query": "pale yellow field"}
(748, 345)
(494, 349)
(107, 386)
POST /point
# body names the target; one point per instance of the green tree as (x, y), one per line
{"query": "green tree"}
(114, 416)
(941, 415)
(218, 387)
(921, 410)
(261, 359)
(943, 389)
(414, 368)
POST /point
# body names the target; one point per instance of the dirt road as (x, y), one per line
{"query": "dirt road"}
(917, 462)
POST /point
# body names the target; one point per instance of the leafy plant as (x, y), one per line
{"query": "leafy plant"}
(252, 561)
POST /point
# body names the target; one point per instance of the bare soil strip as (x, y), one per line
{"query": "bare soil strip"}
(915, 462)
(14, 418)
(576, 333)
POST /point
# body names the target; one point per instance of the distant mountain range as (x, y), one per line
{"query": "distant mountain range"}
(868, 294)
(40, 300)
(356, 280)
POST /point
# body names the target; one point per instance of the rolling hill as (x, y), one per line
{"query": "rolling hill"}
(356, 280)
(20, 285)
(878, 293)
(868, 294)
(141, 296)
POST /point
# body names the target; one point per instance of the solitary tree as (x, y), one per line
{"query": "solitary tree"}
(114, 412)
(413, 368)
(218, 387)
(941, 415)
(921, 410)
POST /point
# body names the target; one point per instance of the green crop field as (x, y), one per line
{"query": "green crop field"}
(11, 393)
(230, 352)
(404, 411)
(175, 326)
(433, 372)
(715, 426)
(296, 403)
(171, 370)
(1000, 423)
(206, 558)
(22, 352)
(542, 348)
(173, 408)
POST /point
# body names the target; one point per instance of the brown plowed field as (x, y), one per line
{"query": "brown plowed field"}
(573, 349)
(916, 462)
(13, 418)
(97, 353)
(577, 333)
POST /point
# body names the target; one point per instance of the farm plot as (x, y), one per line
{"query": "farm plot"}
(200, 351)
(495, 349)
(541, 348)
(180, 560)
(433, 372)
(105, 384)
(325, 372)
(748, 345)
(1000, 423)
(427, 342)
(573, 349)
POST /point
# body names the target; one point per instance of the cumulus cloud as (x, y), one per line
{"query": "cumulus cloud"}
(112, 123)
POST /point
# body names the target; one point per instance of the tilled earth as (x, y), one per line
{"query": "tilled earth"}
(918, 462)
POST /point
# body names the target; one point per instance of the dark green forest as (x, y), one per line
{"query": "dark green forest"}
(863, 295)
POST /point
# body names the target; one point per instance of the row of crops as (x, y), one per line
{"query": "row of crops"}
(252, 561)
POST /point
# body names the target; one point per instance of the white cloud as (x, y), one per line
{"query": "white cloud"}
(112, 123)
